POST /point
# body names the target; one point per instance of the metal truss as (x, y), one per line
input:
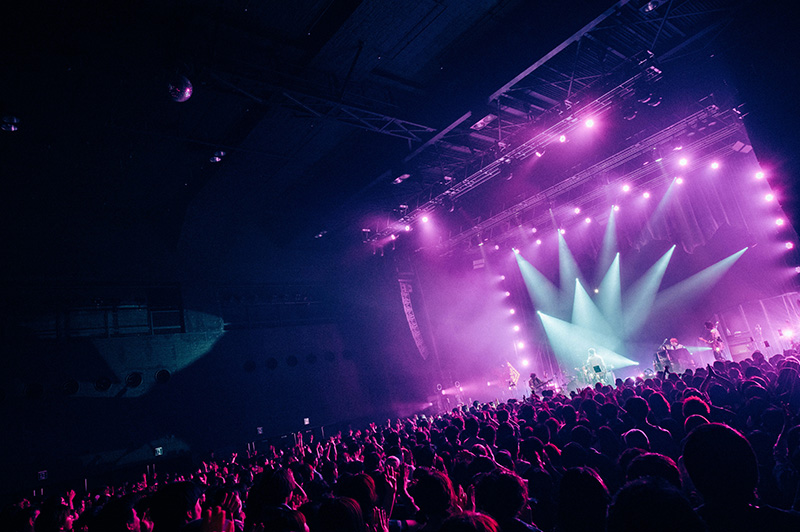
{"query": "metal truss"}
(504, 224)
(353, 116)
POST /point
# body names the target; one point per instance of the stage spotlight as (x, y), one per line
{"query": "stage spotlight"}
(562, 231)
(684, 161)
(394, 237)
(533, 230)
(577, 210)
(538, 242)
(759, 175)
(502, 277)
(596, 290)
(789, 245)
(508, 294)
(515, 250)
(590, 123)
(616, 208)
(407, 228)
(520, 345)
(496, 247)
(769, 197)
(715, 165)
(588, 220)
(626, 188)
(512, 311)
(646, 195)
(539, 153)
(525, 362)
(516, 328)
(425, 219)
(780, 221)
(797, 269)
(562, 138)
(679, 180)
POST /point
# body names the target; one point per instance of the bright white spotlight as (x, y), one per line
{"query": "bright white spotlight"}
(488, 383)
(520, 345)
(497, 247)
(683, 161)
(502, 277)
(797, 269)
(407, 228)
(596, 290)
(538, 241)
(788, 333)
(533, 230)
(616, 208)
(394, 237)
(759, 175)
(587, 220)
(646, 195)
(679, 180)
(425, 219)
(525, 362)
(780, 221)
(516, 251)
(769, 197)
(562, 231)
(626, 188)
(789, 245)
(508, 294)
(512, 311)
(539, 153)
(577, 210)
(562, 138)
(516, 328)
(590, 123)
(715, 165)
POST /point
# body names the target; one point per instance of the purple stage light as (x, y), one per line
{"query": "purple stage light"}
(407, 228)
(788, 333)
(759, 175)
(789, 245)
(679, 180)
(496, 247)
(769, 197)
(515, 250)
(562, 138)
(626, 188)
(520, 345)
(525, 362)
(512, 311)
(539, 153)
(502, 277)
(797, 269)
(538, 241)
(715, 165)
(508, 294)
(577, 210)
(780, 221)
(590, 123)
(516, 328)
(646, 195)
(588, 220)
(533, 230)
(394, 237)
(562, 231)
(616, 208)
(684, 161)
(425, 219)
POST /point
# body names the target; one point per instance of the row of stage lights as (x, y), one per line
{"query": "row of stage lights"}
(627, 188)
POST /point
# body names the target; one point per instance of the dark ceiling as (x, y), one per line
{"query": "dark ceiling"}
(313, 107)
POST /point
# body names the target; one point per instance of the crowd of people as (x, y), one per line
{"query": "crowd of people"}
(714, 449)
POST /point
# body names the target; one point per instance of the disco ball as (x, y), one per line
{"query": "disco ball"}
(180, 89)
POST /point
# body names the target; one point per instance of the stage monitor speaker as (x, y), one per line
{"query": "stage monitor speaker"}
(741, 351)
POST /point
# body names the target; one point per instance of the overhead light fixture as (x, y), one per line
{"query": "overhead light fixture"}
(399, 179)
(483, 122)
(651, 6)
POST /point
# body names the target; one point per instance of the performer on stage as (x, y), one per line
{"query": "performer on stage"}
(596, 367)
(714, 339)
(534, 383)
